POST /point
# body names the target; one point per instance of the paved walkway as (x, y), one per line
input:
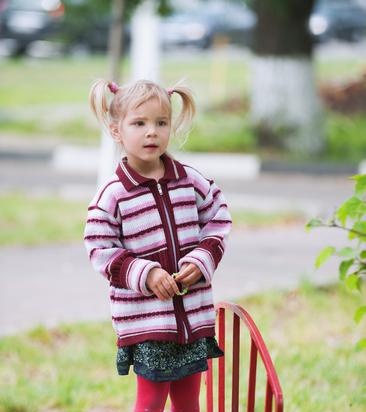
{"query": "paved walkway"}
(53, 284)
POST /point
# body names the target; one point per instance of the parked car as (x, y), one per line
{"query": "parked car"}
(23, 22)
(202, 25)
(338, 19)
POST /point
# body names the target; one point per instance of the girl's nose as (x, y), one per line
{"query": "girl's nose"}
(151, 131)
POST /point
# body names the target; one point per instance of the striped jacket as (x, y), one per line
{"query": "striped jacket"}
(135, 224)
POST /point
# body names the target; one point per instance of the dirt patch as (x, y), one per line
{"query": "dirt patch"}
(347, 98)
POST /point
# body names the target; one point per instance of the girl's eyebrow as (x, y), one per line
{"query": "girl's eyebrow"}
(144, 118)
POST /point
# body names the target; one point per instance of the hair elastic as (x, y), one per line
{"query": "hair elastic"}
(170, 92)
(113, 87)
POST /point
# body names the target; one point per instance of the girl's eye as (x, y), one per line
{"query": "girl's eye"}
(163, 123)
(139, 123)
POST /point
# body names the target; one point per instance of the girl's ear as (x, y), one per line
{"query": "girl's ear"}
(115, 133)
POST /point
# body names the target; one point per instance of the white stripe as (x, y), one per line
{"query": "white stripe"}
(128, 175)
(175, 170)
(152, 253)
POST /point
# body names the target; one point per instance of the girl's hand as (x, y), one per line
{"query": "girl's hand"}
(161, 284)
(189, 274)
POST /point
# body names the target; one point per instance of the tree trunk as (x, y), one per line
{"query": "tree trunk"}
(285, 107)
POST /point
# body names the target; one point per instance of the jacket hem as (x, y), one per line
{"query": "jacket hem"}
(165, 337)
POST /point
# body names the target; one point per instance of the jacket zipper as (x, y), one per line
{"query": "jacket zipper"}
(160, 190)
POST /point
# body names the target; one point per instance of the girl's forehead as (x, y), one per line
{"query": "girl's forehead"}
(153, 106)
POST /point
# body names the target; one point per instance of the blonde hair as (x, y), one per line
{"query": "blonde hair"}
(112, 111)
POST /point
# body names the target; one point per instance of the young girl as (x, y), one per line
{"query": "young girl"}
(157, 230)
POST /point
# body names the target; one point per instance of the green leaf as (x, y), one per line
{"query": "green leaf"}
(363, 254)
(347, 252)
(360, 188)
(343, 268)
(360, 228)
(314, 223)
(360, 313)
(353, 282)
(361, 344)
(324, 255)
(351, 208)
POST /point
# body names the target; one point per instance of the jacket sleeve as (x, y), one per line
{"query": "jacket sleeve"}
(108, 256)
(215, 224)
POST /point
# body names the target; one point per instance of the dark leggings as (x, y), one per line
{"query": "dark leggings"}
(184, 394)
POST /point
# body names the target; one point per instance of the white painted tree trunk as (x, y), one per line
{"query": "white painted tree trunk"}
(284, 97)
(108, 152)
(145, 43)
(145, 58)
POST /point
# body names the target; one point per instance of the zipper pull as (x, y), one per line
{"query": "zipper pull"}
(160, 190)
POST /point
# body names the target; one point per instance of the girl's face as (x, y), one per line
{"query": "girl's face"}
(144, 133)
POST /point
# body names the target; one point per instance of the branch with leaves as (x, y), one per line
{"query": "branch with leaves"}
(351, 217)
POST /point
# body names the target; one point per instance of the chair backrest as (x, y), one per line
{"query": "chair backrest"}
(273, 395)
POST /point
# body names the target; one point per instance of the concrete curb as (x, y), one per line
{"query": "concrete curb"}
(84, 160)
(235, 166)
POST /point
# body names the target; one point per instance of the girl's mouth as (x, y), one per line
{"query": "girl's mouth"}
(151, 146)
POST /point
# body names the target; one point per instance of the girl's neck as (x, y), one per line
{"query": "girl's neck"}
(150, 170)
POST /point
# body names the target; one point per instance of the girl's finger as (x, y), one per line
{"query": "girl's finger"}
(173, 286)
(157, 293)
(186, 272)
(164, 291)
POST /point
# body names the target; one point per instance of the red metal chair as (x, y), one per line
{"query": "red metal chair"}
(257, 345)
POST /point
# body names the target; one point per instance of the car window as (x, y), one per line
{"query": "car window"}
(33, 4)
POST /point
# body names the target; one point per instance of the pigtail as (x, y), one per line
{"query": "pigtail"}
(182, 123)
(98, 101)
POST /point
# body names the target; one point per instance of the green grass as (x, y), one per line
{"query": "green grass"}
(28, 220)
(309, 333)
(50, 97)
(47, 219)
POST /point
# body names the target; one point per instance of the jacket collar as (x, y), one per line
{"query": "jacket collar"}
(131, 179)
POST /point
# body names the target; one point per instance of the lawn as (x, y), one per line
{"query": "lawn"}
(49, 99)
(309, 332)
(36, 225)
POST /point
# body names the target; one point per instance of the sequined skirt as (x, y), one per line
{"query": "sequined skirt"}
(167, 361)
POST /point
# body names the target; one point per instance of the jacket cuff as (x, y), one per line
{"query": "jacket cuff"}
(203, 260)
(128, 272)
(139, 281)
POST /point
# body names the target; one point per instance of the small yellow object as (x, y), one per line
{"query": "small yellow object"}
(184, 291)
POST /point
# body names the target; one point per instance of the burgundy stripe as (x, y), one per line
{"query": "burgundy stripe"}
(203, 264)
(96, 207)
(143, 232)
(132, 298)
(200, 309)
(102, 221)
(192, 244)
(214, 195)
(185, 224)
(104, 189)
(200, 193)
(194, 291)
(200, 332)
(223, 205)
(95, 249)
(143, 315)
(139, 212)
(220, 221)
(182, 186)
(94, 237)
(185, 203)
(138, 194)
(148, 252)
(206, 207)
